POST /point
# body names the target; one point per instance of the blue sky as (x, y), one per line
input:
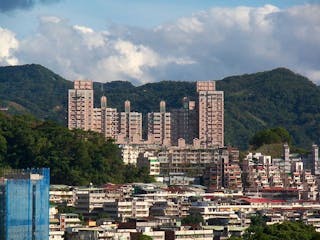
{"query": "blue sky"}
(147, 40)
(98, 14)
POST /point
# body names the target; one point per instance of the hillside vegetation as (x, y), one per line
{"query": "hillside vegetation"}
(277, 98)
(74, 157)
(297, 230)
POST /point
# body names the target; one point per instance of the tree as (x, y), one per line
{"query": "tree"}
(74, 157)
(286, 230)
(269, 136)
(194, 218)
(144, 237)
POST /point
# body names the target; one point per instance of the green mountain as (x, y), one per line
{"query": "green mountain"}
(34, 89)
(252, 101)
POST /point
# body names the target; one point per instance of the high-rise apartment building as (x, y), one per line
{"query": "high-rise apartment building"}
(130, 130)
(80, 106)
(184, 122)
(97, 120)
(159, 126)
(109, 120)
(24, 204)
(203, 121)
(211, 114)
(315, 160)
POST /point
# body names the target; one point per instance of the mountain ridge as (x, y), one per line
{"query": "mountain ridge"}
(278, 97)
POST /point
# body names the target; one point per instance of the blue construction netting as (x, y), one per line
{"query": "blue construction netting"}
(25, 205)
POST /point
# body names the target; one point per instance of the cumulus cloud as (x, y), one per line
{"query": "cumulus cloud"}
(9, 5)
(80, 52)
(8, 45)
(207, 45)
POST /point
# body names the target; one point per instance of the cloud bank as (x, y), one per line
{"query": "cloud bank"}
(9, 5)
(207, 45)
(8, 45)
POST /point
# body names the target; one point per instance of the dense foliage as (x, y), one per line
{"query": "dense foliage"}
(285, 230)
(74, 157)
(252, 102)
(269, 136)
(36, 90)
(259, 230)
(195, 218)
(270, 99)
(144, 237)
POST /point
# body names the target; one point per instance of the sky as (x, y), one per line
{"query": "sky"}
(152, 40)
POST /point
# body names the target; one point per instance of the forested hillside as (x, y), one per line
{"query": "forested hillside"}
(74, 157)
(277, 98)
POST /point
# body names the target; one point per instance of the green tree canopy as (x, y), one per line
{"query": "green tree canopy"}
(74, 157)
(259, 230)
(194, 218)
(144, 237)
(269, 136)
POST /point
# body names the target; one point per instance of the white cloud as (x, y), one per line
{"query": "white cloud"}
(207, 45)
(52, 19)
(129, 60)
(190, 25)
(91, 38)
(8, 45)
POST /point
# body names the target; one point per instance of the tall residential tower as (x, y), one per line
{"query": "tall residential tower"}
(80, 106)
(159, 126)
(130, 130)
(184, 122)
(211, 114)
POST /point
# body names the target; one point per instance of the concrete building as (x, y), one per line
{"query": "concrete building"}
(190, 161)
(184, 122)
(80, 106)
(55, 233)
(89, 201)
(97, 120)
(159, 126)
(315, 160)
(24, 204)
(286, 157)
(130, 130)
(109, 120)
(125, 209)
(223, 172)
(211, 114)
(62, 194)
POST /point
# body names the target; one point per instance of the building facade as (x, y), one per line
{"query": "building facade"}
(80, 105)
(130, 123)
(203, 120)
(24, 204)
(211, 114)
(184, 122)
(109, 120)
(159, 126)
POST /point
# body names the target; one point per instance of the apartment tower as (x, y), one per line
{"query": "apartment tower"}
(109, 120)
(211, 114)
(315, 160)
(159, 126)
(130, 130)
(80, 106)
(184, 122)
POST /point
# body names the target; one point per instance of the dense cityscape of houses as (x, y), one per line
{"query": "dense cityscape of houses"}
(201, 189)
(195, 175)
(226, 197)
